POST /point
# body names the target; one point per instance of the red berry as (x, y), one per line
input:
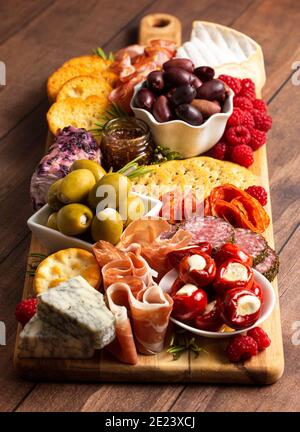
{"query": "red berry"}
(259, 193)
(243, 103)
(236, 117)
(242, 155)
(219, 150)
(263, 121)
(259, 105)
(248, 120)
(237, 135)
(233, 83)
(25, 310)
(261, 338)
(248, 89)
(258, 139)
(241, 348)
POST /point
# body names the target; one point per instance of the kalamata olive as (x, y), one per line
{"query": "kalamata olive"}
(176, 76)
(196, 82)
(207, 108)
(161, 109)
(181, 63)
(183, 94)
(211, 90)
(156, 80)
(204, 73)
(189, 114)
(144, 99)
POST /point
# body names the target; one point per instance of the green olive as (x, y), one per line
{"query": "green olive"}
(90, 165)
(76, 186)
(52, 221)
(110, 188)
(107, 225)
(52, 197)
(135, 208)
(74, 219)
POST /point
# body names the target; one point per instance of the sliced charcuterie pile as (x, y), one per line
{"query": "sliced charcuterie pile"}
(269, 266)
(252, 243)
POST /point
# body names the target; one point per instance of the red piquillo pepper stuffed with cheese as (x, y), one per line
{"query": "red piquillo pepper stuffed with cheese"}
(199, 269)
(233, 274)
(189, 301)
(210, 319)
(240, 308)
(174, 257)
(232, 251)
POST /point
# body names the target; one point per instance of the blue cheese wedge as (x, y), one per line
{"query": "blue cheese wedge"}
(75, 307)
(39, 339)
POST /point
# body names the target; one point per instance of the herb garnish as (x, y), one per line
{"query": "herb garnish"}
(181, 341)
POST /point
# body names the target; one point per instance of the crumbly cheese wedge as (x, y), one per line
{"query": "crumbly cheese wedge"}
(76, 112)
(39, 339)
(77, 308)
(199, 173)
(84, 86)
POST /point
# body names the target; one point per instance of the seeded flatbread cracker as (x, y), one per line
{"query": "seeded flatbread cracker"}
(66, 264)
(199, 173)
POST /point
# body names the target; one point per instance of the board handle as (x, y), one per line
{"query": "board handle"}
(160, 26)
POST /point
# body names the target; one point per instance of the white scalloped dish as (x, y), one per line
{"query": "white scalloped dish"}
(267, 306)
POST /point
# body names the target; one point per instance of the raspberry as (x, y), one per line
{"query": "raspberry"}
(259, 193)
(248, 120)
(260, 337)
(25, 310)
(248, 89)
(219, 150)
(242, 155)
(236, 117)
(241, 348)
(242, 102)
(233, 83)
(237, 135)
(258, 139)
(263, 121)
(259, 105)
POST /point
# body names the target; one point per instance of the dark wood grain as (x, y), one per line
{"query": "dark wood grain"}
(275, 25)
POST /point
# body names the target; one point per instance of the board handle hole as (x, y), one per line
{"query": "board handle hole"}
(160, 22)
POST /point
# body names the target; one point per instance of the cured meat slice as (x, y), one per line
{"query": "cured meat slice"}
(155, 243)
(252, 243)
(211, 229)
(269, 266)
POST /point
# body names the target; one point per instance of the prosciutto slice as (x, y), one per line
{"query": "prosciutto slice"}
(141, 309)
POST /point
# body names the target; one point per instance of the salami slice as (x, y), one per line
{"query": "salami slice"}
(269, 266)
(211, 229)
(252, 243)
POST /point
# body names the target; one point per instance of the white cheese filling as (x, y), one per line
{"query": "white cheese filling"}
(247, 305)
(196, 262)
(235, 271)
(187, 289)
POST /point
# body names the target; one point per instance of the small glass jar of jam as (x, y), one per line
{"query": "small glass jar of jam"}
(124, 139)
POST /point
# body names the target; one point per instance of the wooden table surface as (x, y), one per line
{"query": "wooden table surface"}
(35, 38)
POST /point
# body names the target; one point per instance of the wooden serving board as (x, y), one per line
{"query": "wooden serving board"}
(213, 367)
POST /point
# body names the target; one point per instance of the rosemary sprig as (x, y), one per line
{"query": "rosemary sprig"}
(181, 341)
(163, 154)
(37, 258)
(115, 111)
(132, 168)
(101, 53)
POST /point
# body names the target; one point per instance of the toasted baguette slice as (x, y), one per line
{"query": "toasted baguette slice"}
(76, 112)
(91, 61)
(82, 87)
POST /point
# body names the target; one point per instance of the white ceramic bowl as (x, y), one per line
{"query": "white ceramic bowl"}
(54, 240)
(182, 137)
(267, 306)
